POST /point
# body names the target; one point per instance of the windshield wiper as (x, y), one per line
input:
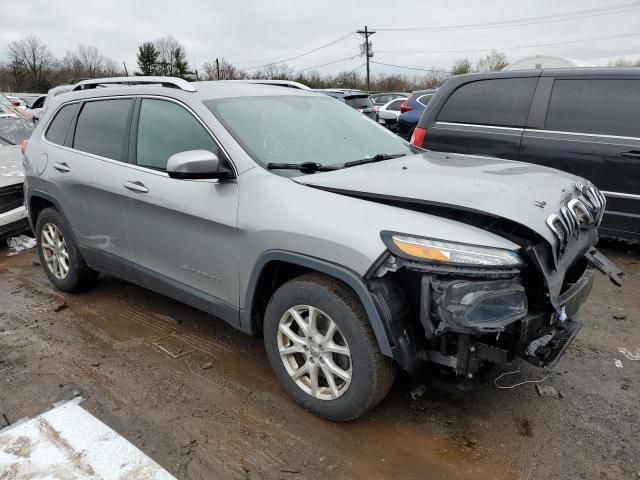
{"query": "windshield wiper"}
(305, 167)
(376, 158)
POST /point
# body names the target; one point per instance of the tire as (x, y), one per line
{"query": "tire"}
(371, 373)
(78, 276)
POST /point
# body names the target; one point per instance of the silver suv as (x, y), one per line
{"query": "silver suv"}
(293, 216)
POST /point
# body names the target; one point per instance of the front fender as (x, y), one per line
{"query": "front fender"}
(351, 278)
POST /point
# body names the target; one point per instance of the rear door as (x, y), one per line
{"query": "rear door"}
(483, 117)
(591, 128)
(182, 233)
(84, 162)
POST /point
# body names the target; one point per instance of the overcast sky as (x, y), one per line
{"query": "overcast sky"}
(246, 32)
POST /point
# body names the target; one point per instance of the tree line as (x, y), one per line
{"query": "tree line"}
(32, 67)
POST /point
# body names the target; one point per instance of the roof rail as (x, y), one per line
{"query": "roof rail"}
(171, 82)
(277, 83)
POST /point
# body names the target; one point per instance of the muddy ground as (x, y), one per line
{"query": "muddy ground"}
(216, 410)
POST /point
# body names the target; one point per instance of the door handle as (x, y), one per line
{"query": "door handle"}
(137, 187)
(631, 154)
(61, 167)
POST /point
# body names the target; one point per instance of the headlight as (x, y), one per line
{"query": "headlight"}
(450, 253)
(485, 305)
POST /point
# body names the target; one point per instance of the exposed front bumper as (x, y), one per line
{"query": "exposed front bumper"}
(540, 338)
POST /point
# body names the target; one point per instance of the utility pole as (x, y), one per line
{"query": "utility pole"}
(366, 33)
(126, 73)
(217, 69)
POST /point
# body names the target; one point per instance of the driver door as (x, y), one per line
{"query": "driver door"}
(182, 233)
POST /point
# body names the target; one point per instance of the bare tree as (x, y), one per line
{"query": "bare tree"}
(33, 58)
(494, 62)
(389, 82)
(91, 59)
(461, 66)
(227, 70)
(88, 62)
(350, 79)
(166, 47)
(275, 71)
(623, 62)
(111, 68)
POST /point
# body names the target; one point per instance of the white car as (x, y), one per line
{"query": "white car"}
(393, 106)
(13, 216)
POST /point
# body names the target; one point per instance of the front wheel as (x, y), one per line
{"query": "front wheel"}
(322, 348)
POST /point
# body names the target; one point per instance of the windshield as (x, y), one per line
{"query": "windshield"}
(14, 130)
(297, 129)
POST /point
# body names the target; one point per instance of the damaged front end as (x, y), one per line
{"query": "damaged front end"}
(460, 308)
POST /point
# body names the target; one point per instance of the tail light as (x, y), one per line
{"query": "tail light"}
(23, 147)
(419, 134)
(404, 106)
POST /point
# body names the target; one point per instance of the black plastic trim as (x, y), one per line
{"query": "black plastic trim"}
(351, 278)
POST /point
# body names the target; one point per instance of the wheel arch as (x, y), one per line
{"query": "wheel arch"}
(36, 202)
(275, 267)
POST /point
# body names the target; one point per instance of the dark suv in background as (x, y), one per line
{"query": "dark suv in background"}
(584, 121)
(354, 98)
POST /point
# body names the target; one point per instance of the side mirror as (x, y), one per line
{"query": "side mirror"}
(196, 164)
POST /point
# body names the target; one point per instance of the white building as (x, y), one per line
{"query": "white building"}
(546, 61)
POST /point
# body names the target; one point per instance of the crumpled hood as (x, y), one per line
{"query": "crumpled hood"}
(524, 193)
(11, 171)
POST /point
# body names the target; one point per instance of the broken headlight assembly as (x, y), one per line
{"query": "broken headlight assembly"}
(449, 253)
(469, 305)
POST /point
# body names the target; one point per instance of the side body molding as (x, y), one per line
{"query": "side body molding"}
(355, 281)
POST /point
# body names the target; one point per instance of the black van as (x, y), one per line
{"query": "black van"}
(585, 121)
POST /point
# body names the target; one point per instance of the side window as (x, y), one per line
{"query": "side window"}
(102, 128)
(502, 102)
(600, 106)
(39, 103)
(166, 128)
(58, 128)
(425, 99)
(395, 105)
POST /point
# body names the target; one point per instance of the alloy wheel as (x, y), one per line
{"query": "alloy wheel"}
(314, 352)
(54, 249)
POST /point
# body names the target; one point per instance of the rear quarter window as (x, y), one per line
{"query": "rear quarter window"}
(596, 106)
(59, 126)
(395, 105)
(500, 102)
(359, 102)
(425, 99)
(102, 128)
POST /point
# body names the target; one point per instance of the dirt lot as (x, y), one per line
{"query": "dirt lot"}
(216, 411)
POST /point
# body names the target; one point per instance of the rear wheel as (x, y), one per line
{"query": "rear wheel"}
(322, 348)
(59, 255)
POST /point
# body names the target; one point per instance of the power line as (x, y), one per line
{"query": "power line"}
(609, 10)
(304, 53)
(325, 64)
(357, 68)
(411, 68)
(509, 48)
